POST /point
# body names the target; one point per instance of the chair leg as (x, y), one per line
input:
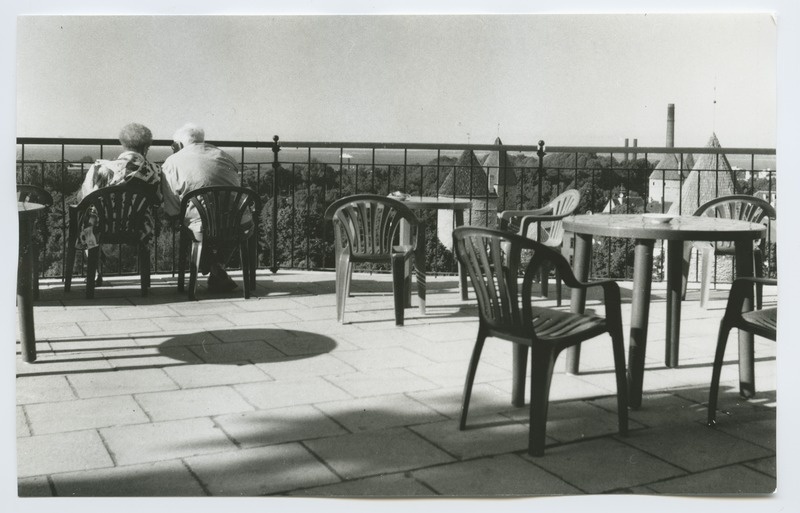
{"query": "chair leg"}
(706, 256)
(471, 370)
(244, 255)
(758, 261)
(72, 236)
(558, 288)
(183, 250)
(252, 246)
(544, 279)
(542, 363)
(91, 270)
(194, 265)
(420, 267)
(342, 284)
(518, 368)
(687, 256)
(144, 268)
(35, 253)
(618, 346)
(399, 287)
(713, 392)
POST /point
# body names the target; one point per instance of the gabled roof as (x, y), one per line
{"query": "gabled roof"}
(466, 179)
(671, 166)
(498, 164)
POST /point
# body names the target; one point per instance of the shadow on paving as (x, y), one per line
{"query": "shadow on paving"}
(222, 346)
(387, 449)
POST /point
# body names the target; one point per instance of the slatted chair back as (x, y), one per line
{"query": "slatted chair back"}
(121, 213)
(739, 207)
(493, 261)
(222, 209)
(34, 194)
(562, 205)
(367, 225)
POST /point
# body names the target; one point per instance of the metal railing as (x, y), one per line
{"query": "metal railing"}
(297, 180)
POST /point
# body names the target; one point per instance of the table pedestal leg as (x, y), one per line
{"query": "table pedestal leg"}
(744, 268)
(27, 335)
(458, 219)
(640, 313)
(674, 293)
(583, 252)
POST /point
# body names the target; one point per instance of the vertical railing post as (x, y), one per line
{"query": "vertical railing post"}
(275, 166)
(540, 153)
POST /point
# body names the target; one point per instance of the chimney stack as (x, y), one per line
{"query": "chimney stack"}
(671, 125)
(635, 144)
(625, 159)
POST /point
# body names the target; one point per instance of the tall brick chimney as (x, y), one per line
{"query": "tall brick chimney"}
(635, 144)
(626, 150)
(671, 125)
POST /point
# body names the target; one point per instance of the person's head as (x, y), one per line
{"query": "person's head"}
(135, 137)
(188, 134)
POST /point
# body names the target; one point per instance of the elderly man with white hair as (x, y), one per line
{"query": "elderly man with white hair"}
(197, 164)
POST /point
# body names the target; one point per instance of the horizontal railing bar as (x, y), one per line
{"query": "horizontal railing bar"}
(422, 146)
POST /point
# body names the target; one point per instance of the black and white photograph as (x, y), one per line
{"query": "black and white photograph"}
(303, 257)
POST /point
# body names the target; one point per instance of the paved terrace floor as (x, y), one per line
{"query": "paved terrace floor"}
(160, 396)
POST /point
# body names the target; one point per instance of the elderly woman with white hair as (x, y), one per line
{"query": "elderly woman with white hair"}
(130, 165)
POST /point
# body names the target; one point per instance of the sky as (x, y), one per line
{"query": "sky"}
(567, 79)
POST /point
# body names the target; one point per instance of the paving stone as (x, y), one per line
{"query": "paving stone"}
(139, 312)
(83, 414)
(159, 479)
(695, 446)
(34, 487)
(278, 425)
(569, 421)
(260, 471)
(235, 352)
(299, 367)
(760, 432)
(392, 485)
(149, 357)
(251, 334)
(733, 480)
(601, 465)
(498, 476)
(206, 306)
(118, 327)
(163, 441)
(393, 337)
(376, 452)
(22, 423)
(373, 413)
(278, 394)
(121, 382)
(191, 322)
(193, 402)
(452, 374)
(266, 304)
(66, 364)
(766, 466)
(387, 358)
(452, 351)
(44, 317)
(380, 382)
(484, 435)
(61, 452)
(41, 389)
(89, 345)
(212, 374)
(485, 400)
(57, 330)
(304, 343)
(240, 318)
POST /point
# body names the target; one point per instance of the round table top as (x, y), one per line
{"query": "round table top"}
(27, 208)
(637, 226)
(441, 202)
